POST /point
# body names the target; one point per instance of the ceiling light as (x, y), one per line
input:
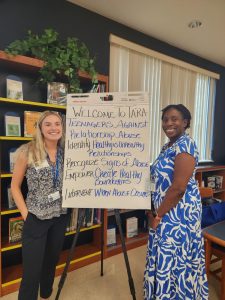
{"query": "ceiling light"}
(195, 24)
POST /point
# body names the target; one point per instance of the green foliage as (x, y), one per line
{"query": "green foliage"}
(61, 59)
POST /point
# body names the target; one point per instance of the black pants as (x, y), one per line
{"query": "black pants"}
(42, 242)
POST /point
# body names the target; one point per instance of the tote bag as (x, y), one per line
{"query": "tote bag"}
(213, 213)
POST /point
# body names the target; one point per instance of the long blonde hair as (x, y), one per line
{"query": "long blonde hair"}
(35, 149)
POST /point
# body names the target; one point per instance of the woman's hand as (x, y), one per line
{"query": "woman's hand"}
(17, 179)
(24, 214)
(153, 221)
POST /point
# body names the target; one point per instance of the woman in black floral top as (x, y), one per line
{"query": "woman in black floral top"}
(41, 161)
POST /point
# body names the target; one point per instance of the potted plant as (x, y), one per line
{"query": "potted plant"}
(61, 60)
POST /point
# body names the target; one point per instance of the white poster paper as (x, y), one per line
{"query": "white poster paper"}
(107, 151)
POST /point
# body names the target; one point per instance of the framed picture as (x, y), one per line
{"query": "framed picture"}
(57, 93)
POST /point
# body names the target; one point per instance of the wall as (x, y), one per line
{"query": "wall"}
(16, 17)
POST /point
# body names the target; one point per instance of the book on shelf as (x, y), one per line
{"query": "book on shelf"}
(131, 227)
(14, 87)
(98, 88)
(69, 222)
(15, 229)
(211, 182)
(97, 216)
(12, 158)
(219, 181)
(57, 93)
(215, 182)
(89, 217)
(73, 220)
(10, 202)
(88, 220)
(30, 122)
(111, 235)
(12, 124)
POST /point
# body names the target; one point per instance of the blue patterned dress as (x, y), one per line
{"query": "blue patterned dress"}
(175, 263)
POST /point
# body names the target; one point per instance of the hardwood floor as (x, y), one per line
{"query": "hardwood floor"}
(87, 284)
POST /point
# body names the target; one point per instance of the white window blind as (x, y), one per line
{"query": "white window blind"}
(167, 83)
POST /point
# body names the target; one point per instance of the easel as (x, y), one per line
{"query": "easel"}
(80, 222)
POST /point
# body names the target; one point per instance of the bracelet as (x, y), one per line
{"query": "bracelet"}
(154, 213)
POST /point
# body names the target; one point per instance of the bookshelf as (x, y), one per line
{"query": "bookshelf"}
(131, 243)
(203, 172)
(88, 248)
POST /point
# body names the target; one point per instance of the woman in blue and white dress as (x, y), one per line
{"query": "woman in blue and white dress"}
(175, 264)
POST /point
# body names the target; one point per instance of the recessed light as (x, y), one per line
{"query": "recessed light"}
(195, 24)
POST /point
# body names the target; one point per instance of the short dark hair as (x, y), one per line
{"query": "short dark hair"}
(182, 109)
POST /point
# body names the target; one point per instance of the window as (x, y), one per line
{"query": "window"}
(168, 81)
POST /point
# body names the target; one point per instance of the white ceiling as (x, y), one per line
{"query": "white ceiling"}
(167, 20)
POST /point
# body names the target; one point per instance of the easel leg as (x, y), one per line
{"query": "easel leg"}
(130, 279)
(69, 257)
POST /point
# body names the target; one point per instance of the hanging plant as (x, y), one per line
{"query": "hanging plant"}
(61, 60)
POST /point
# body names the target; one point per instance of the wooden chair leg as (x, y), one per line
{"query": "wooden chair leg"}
(222, 283)
(208, 254)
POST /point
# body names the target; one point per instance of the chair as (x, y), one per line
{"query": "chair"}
(207, 199)
(206, 192)
(215, 245)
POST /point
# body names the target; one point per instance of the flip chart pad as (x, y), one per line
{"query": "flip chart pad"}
(106, 161)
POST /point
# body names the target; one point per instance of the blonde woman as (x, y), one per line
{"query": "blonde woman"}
(41, 161)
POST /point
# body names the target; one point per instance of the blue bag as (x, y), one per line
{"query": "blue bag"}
(213, 213)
